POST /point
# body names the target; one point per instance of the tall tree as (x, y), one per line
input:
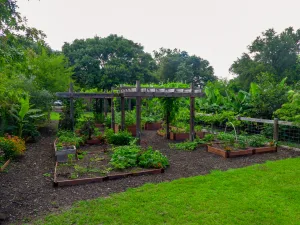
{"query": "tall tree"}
(270, 53)
(176, 65)
(104, 62)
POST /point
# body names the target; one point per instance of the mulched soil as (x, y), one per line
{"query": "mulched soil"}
(26, 193)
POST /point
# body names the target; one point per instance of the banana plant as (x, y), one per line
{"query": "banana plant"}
(24, 113)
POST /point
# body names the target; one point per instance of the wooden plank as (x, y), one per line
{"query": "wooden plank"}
(256, 120)
(162, 94)
(138, 113)
(71, 106)
(2, 168)
(286, 123)
(87, 95)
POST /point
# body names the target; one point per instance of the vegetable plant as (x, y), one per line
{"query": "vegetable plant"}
(120, 138)
(125, 157)
(152, 159)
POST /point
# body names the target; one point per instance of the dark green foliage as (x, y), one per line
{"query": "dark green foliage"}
(152, 159)
(270, 53)
(65, 122)
(120, 138)
(267, 96)
(106, 62)
(179, 66)
(87, 128)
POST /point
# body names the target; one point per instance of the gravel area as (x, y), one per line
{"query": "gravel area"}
(26, 193)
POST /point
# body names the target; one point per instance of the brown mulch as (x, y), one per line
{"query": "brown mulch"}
(25, 193)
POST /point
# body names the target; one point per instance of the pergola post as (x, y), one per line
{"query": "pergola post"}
(71, 105)
(112, 115)
(192, 114)
(129, 104)
(168, 125)
(138, 112)
(105, 106)
(122, 113)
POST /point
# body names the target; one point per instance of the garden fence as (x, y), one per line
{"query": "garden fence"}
(287, 133)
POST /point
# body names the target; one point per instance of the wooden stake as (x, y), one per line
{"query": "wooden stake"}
(138, 112)
(129, 104)
(112, 115)
(192, 115)
(122, 113)
(276, 130)
(168, 125)
(71, 106)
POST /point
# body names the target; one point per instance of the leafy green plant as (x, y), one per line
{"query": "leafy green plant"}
(152, 159)
(88, 128)
(226, 137)
(125, 157)
(68, 138)
(257, 140)
(120, 138)
(186, 146)
(47, 175)
(107, 120)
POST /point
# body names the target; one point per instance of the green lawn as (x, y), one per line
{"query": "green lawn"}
(56, 115)
(260, 194)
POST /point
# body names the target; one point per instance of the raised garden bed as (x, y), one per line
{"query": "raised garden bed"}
(131, 129)
(184, 136)
(93, 168)
(216, 149)
(268, 149)
(161, 133)
(94, 142)
(62, 154)
(152, 126)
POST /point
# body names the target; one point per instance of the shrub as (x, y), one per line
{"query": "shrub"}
(125, 157)
(12, 146)
(152, 159)
(120, 138)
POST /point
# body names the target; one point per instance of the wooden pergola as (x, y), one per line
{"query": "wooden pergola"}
(138, 93)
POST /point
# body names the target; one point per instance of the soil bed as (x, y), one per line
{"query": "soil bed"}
(26, 189)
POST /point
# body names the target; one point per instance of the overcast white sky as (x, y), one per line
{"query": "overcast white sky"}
(217, 30)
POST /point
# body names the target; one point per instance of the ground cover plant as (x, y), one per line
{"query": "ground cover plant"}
(192, 145)
(260, 194)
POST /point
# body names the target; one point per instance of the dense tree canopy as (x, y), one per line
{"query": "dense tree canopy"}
(272, 53)
(105, 62)
(30, 73)
(176, 65)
